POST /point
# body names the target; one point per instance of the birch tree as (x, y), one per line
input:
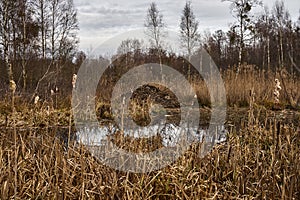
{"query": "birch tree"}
(5, 28)
(241, 11)
(155, 26)
(155, 31)
(281, 18)
(189, 35)
(68, 40)
(42, 16)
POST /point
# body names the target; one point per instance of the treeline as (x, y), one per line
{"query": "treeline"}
(37, 39)
(38, 42)
(268, 43)
(270, 40)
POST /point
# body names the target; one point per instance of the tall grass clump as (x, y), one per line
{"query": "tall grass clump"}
(261, 161)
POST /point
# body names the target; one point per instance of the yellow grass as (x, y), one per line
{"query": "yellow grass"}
(256, 162)
(259, 160)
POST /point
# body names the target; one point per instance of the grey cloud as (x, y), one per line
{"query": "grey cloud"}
(108, 11)
(105, 18)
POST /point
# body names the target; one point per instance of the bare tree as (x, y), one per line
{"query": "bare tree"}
(27, 35)
(68, 40)
(42, 16)
(58, 24)
(263, 29)
(189, 35)
(155, 26)
(55, 16)
(155, 30)
(5, 25)
(218, 40)
(281, 18)
(241, 11)
(129, 46)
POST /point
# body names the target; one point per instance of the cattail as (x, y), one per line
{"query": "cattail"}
(277, 86)
(277, 91)
(36, 99)
(12, 86)
(74, 80)
(48, 110)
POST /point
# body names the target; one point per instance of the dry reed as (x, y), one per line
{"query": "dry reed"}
(257, 162)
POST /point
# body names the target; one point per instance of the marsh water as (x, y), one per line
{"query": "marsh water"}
(171, 134)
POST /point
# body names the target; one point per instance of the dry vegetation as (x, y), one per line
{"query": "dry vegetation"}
(259, 160)
(259, 83)
(255, 163)
(39, 60)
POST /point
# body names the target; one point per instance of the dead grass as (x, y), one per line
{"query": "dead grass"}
(255, 163)
(238, 88)
(260, 159)
(262, 83)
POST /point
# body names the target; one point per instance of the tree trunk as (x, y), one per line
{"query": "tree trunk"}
(240, 45)
(53, 30)
(268, 53)
(281, 48)
(6, 40)
(43, 29)
(24, 73)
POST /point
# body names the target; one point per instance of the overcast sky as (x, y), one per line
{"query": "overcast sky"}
(100, 20)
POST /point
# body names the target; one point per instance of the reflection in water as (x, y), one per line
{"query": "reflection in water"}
(170, 134)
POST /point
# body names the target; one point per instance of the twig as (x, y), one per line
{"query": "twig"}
(293, 63)
(290, 99)
(46, 74)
